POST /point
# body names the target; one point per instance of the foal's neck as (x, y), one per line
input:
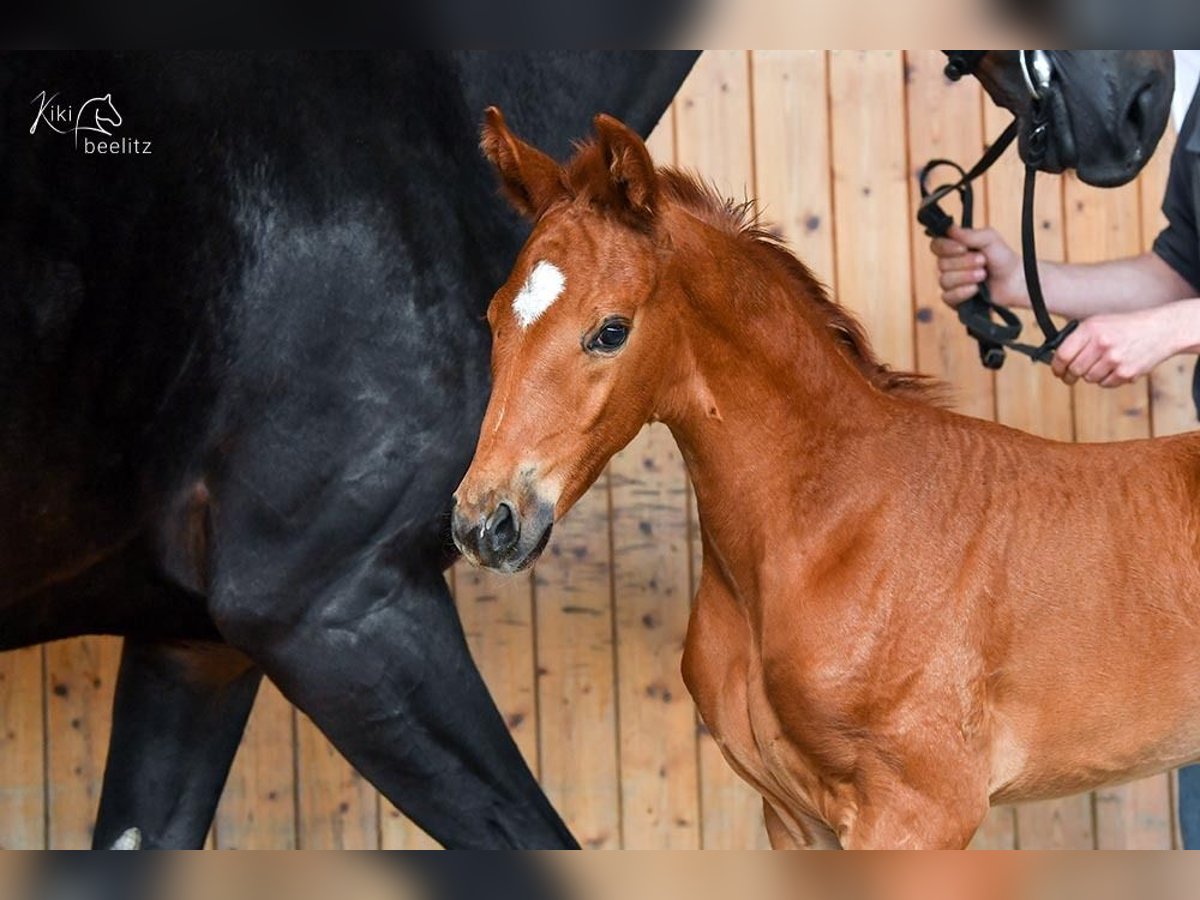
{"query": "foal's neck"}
(768, 407)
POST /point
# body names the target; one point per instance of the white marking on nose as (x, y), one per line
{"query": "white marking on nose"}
(543, 286)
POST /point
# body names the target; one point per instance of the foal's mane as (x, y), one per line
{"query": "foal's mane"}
(744, 221)
(586, 176)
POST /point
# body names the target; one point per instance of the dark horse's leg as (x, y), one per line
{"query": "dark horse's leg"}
(377, 658)
(178, 715)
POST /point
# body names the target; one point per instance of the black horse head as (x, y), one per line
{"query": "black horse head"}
(1105, 110)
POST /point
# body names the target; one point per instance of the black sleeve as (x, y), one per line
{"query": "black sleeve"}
(1179, 243)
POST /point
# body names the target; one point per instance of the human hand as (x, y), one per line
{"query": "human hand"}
(1112, 350)
(967, 257)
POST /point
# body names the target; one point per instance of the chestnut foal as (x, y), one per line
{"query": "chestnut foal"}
(904, 614)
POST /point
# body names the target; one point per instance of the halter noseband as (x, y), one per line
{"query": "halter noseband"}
(976, 314)
(1038, 71)
(1036, 67)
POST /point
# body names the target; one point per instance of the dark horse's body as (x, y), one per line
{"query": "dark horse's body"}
(240, 376)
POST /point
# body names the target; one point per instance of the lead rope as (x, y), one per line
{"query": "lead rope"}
(977, 312)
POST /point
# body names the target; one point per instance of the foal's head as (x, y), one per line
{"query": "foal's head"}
(632, 282)
(578, 338)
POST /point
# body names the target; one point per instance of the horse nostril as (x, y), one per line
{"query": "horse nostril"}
(1136, 117)
(1141, 108)
(502, 529)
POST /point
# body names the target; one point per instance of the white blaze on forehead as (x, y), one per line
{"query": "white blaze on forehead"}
(543, 286)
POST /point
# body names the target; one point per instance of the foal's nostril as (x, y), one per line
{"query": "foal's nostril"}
(502, 529)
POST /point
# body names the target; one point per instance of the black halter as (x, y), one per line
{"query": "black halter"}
(963, 62)
(977, 313)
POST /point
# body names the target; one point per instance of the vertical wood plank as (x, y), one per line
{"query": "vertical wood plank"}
(1064, 824)
(1135, 816)
(713, 136)
(791, 153)
(258, 808)
(712, 122)
(576, 673)
(871, 185)
(944, 121)
(22, 764)
(81, 676)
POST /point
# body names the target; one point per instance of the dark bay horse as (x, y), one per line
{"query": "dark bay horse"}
(242, 367)
(884, 642)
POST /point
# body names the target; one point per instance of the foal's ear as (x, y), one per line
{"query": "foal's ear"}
(531, 179)
(629, 164)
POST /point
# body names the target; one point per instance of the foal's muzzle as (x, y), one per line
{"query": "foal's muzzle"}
(497, 535)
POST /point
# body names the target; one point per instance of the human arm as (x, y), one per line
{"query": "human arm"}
(967, 257)
(1115, 349)
(1135, 312)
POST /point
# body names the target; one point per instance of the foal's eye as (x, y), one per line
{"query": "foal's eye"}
(610, 337)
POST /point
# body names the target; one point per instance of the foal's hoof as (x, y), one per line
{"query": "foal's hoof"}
(130, 839)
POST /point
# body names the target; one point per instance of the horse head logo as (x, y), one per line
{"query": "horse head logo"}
(98, 114)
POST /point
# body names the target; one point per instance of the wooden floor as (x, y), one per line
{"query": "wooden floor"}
(583, 655)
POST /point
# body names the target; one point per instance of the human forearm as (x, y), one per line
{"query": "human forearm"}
(1078, 291)
(1183, 326)
(1114, 349)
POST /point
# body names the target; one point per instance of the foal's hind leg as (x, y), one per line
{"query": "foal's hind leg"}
(178, 715)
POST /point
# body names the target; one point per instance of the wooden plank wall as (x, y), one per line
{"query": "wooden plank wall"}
(583, 654)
